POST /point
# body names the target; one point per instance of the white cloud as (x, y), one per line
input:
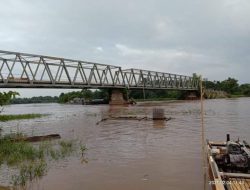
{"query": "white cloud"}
(165, 54)
(173, 61)
(164, 29)
(99, 49)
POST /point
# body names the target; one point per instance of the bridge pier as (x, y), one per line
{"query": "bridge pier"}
(117, 97)
(192, 95)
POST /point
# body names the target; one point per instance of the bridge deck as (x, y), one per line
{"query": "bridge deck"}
(21, 70)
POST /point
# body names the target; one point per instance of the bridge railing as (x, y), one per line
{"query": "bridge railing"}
(37, 71)
(158, 80)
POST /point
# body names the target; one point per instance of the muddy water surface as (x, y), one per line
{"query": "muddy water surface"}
(131, 154)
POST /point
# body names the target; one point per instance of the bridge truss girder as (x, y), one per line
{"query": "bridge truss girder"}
(38, 71)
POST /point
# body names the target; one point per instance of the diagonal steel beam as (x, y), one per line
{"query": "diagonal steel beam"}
(93, 75)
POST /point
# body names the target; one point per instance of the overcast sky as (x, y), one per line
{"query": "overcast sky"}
(208, 37)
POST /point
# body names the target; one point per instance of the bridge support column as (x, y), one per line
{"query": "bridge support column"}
(116, 97)
(192, 95)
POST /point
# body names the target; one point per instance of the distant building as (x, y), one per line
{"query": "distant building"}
(77, 101)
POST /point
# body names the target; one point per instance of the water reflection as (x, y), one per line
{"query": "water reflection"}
(159, 124)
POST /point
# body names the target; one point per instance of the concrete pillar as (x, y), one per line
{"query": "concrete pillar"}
(117, 97)
(158, 114)
(191, 95)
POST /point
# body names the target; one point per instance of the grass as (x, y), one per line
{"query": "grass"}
(31, 159)
(66, 147)
(83, 148)
(12, 153)
(4, 118)
(29, 172)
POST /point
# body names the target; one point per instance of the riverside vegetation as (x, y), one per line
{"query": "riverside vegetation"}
(6, 98)
(20, 116)
(214, 89)
(229, 87)
(30, 161)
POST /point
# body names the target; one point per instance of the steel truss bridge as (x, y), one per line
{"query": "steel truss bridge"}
(22, 70)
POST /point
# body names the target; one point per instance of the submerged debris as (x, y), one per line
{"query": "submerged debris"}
(132, 118)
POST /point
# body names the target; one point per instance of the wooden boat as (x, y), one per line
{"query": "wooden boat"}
(229, 165)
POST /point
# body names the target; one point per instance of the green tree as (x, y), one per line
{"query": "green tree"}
(209, 85)
(230, 85)
(101, 94)
(86, 94)
(245, 89)
(5, 97)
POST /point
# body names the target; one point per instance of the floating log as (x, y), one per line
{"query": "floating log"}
(38, 138)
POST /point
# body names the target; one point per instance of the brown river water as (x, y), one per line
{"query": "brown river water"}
(131, 154)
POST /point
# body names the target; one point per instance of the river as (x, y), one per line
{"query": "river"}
(131, 154)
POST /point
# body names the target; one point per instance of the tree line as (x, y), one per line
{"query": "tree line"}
(38, 99)
(85, 94)
(230, 86)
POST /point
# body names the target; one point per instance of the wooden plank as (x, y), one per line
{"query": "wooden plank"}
(218, 183)
(238, 175)
(238, 184)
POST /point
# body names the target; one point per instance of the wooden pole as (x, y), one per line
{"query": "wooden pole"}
(203, 134)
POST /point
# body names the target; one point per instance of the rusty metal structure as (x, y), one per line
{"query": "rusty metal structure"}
(22, 70)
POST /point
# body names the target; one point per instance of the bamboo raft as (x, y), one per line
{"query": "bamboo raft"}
(229, 165)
